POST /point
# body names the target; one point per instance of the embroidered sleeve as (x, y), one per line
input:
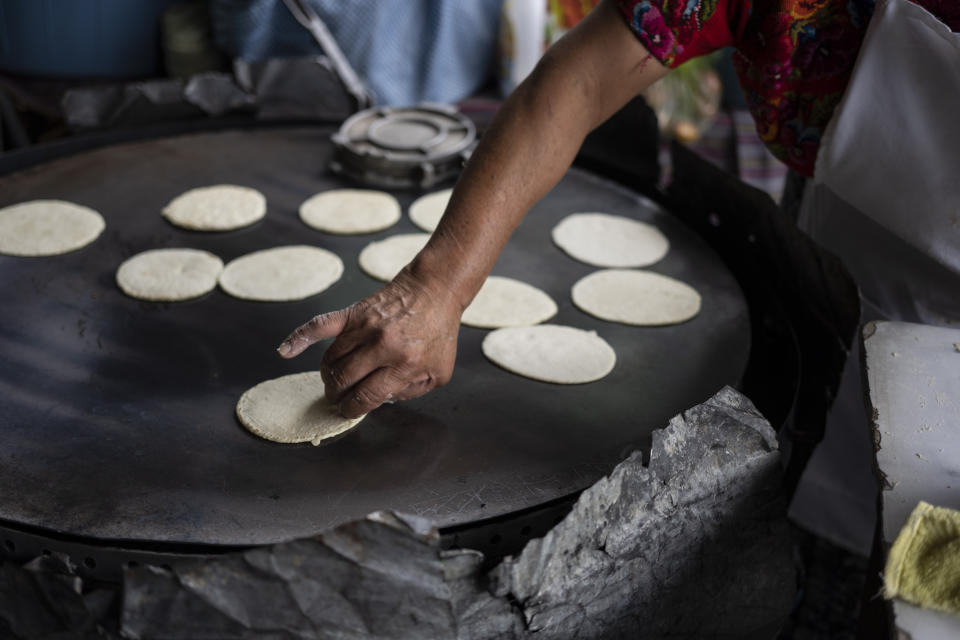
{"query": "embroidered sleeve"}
(674, 31)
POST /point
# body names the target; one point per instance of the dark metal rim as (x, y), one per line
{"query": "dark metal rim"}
(104, 559)
(20, 159)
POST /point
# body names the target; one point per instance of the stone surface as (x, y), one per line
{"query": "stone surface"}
(693, 546)
(380, 577)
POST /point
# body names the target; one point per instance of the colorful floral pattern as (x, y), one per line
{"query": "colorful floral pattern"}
(794, 57)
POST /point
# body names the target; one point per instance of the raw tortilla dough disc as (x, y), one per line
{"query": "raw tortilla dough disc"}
(505, 302)
(218, 208)
(169, 274)
(604, 240)
(292, 409)
(384, 259)
(636, 297)
(47, 228)
(426, 211)
(551, 353)
(281, 274)
(350, 211)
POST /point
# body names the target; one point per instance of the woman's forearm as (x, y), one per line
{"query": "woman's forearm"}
(532, 141)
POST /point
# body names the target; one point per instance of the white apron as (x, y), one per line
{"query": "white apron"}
(886, 200)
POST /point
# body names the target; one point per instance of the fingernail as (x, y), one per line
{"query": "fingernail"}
(284, 348)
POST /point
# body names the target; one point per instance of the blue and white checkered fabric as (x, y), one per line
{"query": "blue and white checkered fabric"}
(407, 51)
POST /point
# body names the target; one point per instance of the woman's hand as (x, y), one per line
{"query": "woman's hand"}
(396, 344)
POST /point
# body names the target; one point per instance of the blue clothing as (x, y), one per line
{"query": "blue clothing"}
(406, 52)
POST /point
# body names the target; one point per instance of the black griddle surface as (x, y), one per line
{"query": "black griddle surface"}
(117, 415)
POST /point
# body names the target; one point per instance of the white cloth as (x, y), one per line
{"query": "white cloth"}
(886, 200)
(892, 153)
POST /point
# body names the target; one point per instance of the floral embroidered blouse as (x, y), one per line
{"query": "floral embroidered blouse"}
(793, 57)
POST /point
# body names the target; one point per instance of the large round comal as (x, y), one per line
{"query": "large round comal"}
(118, 415)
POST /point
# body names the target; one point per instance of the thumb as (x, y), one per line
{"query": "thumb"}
(325, 325)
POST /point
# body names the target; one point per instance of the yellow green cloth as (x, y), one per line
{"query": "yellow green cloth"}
(923, 566)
